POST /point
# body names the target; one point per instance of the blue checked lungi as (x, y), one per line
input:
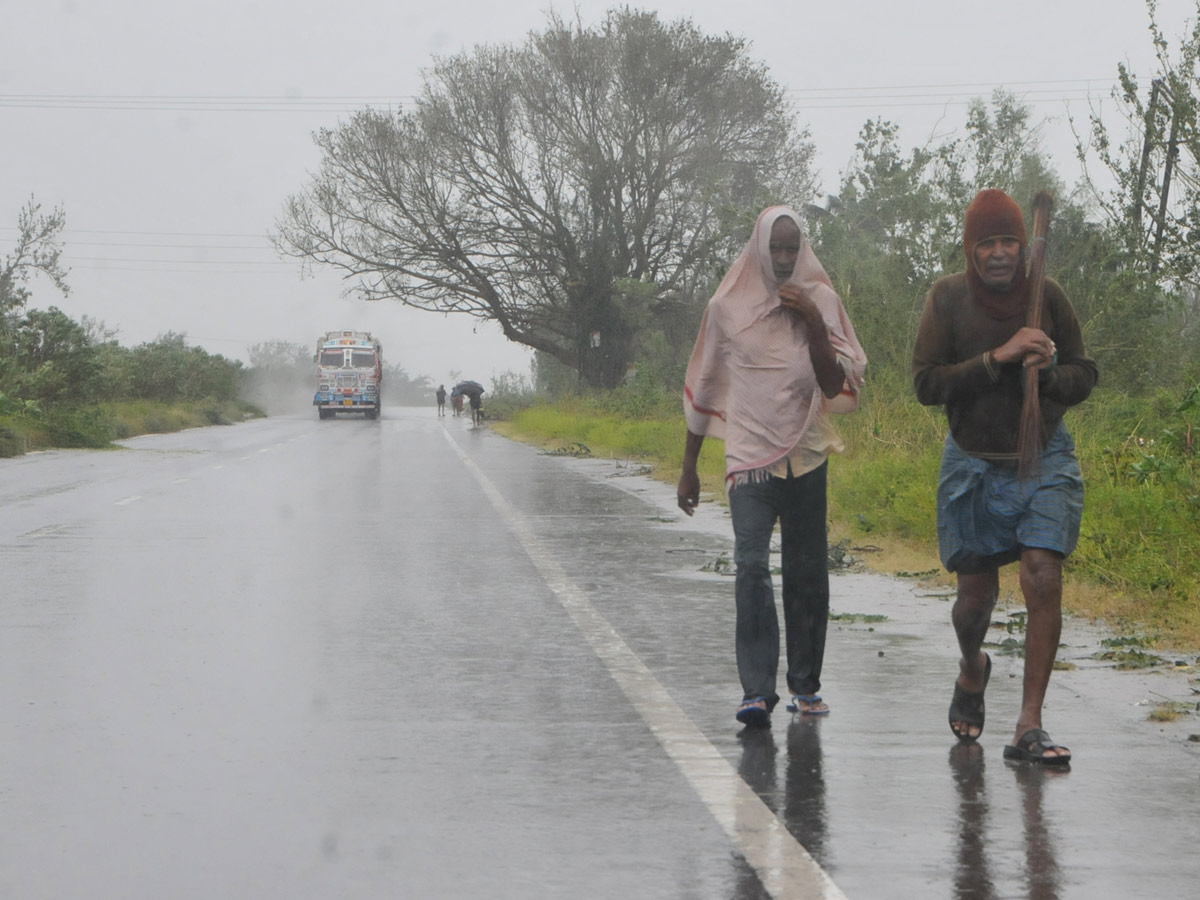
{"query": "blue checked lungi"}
(985, 511)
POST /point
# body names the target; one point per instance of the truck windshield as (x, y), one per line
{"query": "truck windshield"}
(364, 359)
(331, 358)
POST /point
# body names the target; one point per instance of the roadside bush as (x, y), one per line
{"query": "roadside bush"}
(170, 371)
(643, 395)
(134, 417)
(12, 442)
(88, 428)
(214, 413)
(510, 392)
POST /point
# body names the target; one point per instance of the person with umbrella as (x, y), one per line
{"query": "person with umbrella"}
(474, 393)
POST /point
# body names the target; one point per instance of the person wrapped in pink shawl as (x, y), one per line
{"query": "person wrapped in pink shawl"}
(776, 354)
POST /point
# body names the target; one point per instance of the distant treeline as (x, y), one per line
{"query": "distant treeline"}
(63, 384)
(48, 360)
(62, 381)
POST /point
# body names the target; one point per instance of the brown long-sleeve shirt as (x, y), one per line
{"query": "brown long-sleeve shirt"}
(953, 367)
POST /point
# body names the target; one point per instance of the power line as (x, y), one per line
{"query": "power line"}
(1060, 89)
(68, 258)
(183, 267)
(373, 98)
(71, 243)
(947, 85)
(194, 103)
(345, 98)
(214, 234)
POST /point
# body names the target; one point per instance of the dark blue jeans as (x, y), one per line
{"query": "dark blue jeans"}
(798, 504)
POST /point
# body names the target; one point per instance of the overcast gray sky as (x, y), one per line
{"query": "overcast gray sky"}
(171, 132)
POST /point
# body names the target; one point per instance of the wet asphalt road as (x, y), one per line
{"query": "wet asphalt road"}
(411, 659)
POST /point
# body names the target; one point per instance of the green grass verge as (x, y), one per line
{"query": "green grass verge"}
(1136, 566)
(98, 426)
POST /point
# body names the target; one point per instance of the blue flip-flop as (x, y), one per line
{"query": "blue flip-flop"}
(753, 716)
(809, 700)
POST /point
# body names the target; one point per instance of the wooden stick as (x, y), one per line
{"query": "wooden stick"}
(1029, 439)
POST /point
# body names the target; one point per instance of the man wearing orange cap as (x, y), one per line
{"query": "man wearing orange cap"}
(972, 356)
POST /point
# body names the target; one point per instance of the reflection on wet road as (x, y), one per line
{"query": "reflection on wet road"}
(1041, 867)
(972, 874)
(412, 659)
(1039, 877)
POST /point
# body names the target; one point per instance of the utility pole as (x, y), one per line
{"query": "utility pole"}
(1159, 89)
(1172, 154)
(1147, 145)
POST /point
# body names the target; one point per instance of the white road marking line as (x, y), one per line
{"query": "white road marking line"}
(785, 868)
(126, 501)
(43, 532)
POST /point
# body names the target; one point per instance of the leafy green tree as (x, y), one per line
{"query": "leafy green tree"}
(115, 376)
(886, 236)
(528, 181)
(1003, 149)
(51, 360)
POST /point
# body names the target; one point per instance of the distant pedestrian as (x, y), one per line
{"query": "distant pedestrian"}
(972, 355)
(441, 399)
(456, 401)
(775, 354)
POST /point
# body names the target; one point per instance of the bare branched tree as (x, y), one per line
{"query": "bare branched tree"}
(528, 183)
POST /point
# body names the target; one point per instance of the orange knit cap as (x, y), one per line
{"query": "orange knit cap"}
(992, 214)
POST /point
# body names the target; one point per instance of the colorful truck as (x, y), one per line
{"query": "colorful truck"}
(349, 374)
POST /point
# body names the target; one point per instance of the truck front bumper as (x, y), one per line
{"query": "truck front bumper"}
(330, 400)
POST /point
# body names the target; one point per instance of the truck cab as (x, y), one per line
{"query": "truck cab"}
(349, 374)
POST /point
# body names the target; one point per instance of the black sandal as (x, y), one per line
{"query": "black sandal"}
(1032, 748)
(966, 707)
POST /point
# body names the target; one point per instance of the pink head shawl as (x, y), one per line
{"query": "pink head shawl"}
(750, 379)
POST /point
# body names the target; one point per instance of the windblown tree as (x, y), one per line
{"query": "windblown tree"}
(38, 248)
(1155, 164)
(532, 185)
